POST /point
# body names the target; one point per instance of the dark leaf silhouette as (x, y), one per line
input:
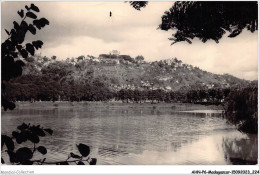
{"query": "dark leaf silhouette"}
(80, 163)
(32, 29)
(15, 134)
(33, 137)
(44, 22)
(209, 20)
(37, 44)
(138, 4)
(235, 33)
(21, 13)
(30, 48)
(38, 131)
(8, 142)
(75, 156)
(31, 15)
(24, 27)
(19, 47)
(20, 63)
(16, 25)
(7, 32)
(2, 161)
(24, 53)
(11, 155)
(41, 23)
(22, 137)
(50, 131)
(83, 149)
(35, 8)
(2, 141)
(27, 8)
(42, 149)
(23, 154)
(23, 126)
(93, 161)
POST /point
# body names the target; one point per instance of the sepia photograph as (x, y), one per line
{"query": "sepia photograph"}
(129, 83)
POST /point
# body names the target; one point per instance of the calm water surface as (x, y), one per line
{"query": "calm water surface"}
(138, 134)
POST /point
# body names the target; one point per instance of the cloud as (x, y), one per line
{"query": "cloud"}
(81, 28)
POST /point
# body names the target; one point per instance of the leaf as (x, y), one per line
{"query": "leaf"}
(19, 63)
(23, 126)
(235, 33)
(35, 8)
(15, 134)
(42, 149)
(27, 8)
(37, 44)
(7, 32)
(21, 13)
(93, 161)
(31, 15)
(75, 156)
(32, 29)
(24, 26)
(16, 25)
(33, 137)
(83, 149)
(80, 163)
(23, 154)
(22, 137)
(9, 143)
(41, 23)
(38, 131)
(44, 21)
(30, 48)
(24, 53)
(19, 47)
(2, 161)
(11, 155)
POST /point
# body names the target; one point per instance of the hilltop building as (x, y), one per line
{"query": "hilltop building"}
(114, 57)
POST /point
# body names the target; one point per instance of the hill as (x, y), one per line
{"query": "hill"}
(85, 76)
(169, 74)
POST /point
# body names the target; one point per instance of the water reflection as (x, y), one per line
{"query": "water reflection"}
(137, 134)
(241, 151)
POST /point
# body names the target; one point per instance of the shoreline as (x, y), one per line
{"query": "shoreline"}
(91, 104)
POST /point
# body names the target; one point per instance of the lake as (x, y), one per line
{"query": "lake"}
(137, 134)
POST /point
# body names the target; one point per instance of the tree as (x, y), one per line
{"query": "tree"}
(139, 58)
(53, 57)
(138, 4)
(209, 20)
(241, 109)
(13, 47)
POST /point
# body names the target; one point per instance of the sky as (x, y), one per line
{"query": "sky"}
(85, 28)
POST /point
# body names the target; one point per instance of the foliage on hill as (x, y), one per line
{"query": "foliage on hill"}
(94, 80)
